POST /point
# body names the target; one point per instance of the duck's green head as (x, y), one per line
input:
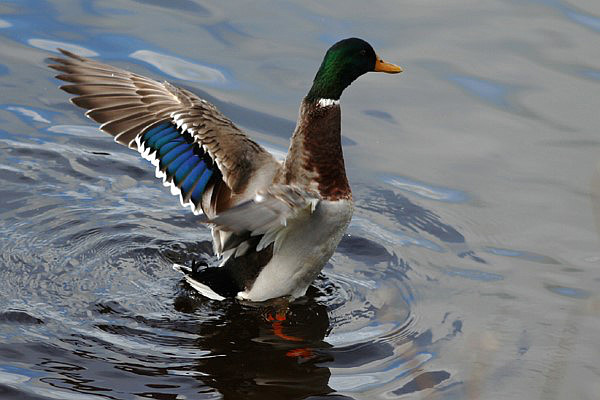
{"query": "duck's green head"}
(343, 63)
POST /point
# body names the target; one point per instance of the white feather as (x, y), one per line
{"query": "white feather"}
(328, 102)
(200, 287)
(242, 249)
(175, 191)
(267, 239)
(226, 255)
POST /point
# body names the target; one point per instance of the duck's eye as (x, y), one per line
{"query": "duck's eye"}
(363, 52)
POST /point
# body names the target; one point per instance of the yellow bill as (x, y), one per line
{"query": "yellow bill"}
(382, 66)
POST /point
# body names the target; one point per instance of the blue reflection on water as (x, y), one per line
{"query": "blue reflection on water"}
(183, 5)
(473, 274)
(569, 292)
(26, 29)
(583, 19)
(20, 371)
(381, 115)
(526, 255)
(226, 33)
(575, 15)
(28, 114)
(40, 19)
(101, 10)
(488, 90)
(590, 73)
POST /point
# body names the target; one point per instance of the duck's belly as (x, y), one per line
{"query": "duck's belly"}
(301, 251)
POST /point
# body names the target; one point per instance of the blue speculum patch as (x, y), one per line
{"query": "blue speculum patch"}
(183, 161)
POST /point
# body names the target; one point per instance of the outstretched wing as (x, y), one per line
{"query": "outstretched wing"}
(205, 159)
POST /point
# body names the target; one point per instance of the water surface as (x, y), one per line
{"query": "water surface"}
(470, 269)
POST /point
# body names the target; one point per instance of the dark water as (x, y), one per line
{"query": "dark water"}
(471, 267)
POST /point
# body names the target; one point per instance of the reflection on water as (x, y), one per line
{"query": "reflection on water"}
(410, 215)
(105, 281)
(577, 15)
(252, 357)
(34, 115)
(180, 69)
(468, 271)
(487, 90)
(427, 191)
(52, 45)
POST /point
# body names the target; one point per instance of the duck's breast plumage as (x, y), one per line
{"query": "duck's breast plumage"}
(301, 250)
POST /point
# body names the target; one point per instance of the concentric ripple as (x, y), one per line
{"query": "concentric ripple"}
(87, 281)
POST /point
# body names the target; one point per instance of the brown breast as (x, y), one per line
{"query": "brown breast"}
(316, 151)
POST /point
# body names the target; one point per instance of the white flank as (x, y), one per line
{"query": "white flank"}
(328, 102)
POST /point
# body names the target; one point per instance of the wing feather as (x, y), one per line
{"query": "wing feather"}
(127, 105)
(266, 215)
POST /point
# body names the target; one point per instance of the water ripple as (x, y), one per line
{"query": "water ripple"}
(525, 255)
(53, 45)
(179, 68)
(91, 307)
(569, 291)
(29, 113)
(427, 191)
(473, 274)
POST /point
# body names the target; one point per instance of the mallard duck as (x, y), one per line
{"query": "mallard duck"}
(274, 224)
